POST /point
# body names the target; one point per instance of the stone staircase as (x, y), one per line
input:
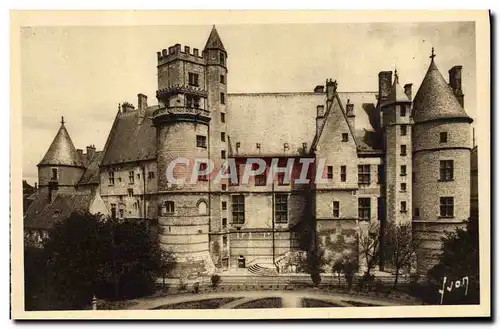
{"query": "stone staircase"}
(262, 270)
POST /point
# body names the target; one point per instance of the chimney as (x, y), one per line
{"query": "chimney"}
(350, 113)
(186, 49)
(455, 74)
(164, 53)
(80, 153)
(142, 105)
(331, 88)
(319, 89)
(320, 117)
(126, 107)
(384, 84)
(90, 152)
(408, 90)
(195, 52)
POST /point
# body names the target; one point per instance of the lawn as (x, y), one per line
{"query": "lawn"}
(197, 304)
(307, 302)
(271, 302)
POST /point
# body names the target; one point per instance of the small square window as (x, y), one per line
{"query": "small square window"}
(224, 187)
(151, 175)
(223, 117)
(443, 137)
(403, 206)
(193, 79)
(201, 141)
(330, 172)
(170, 207)
(403, 150)
(222, 79)
(343, 173)
(222, 137)
(336, 209)
(224, 222)
(222, 58)
(223, 154)
(403, 170)
(222, 98)
(403, 111)
(345, 137)
(403, 187)
(224, 205)
(404, 130)
(130, 192)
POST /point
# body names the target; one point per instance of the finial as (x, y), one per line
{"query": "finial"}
(62, 120)
(396, 78)
(432, 55)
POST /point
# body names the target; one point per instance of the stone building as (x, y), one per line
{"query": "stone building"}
(381, 156)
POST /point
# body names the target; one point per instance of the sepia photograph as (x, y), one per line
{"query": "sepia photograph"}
(220, 166)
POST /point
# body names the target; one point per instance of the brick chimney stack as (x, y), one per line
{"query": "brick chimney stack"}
(142, 105)
(90, 152)
(384, 84)
(455, 74)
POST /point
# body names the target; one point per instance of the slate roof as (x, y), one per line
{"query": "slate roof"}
(62, 151)
(91, 175)
(129, 141)
(435, 99)
(214, 41)
(273, 119)
(43, 215)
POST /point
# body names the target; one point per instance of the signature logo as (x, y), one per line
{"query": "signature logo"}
(454, 285)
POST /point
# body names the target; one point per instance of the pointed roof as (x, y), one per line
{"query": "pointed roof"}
(435, 99)
(397, 94)
(62, 150)
(214, 41)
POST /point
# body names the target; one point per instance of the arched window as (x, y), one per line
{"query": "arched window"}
(202, 208)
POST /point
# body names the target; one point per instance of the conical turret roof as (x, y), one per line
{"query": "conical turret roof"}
(62, 151)
(214, 41)
(435, 99)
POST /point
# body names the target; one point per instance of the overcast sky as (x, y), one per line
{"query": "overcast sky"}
(82, 73)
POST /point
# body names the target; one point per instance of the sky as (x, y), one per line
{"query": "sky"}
(83, 73)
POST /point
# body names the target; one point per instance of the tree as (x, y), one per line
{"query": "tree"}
(313, 264)
(460, 258)
(400, 246)
(168, 261)
(369, 245)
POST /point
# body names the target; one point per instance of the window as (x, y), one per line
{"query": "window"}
(111, 175)
(329, 172)
(364, 174)
(222, 137)
(403, 170)
(402, 110)
(281, 208)
(345, 137)
(223, 117)
(222, 79)
(403, 206)
(446, 206)
(119, 179)
(193, 79)
(403, 150)
(281, 179)
(202, 208)
(443, 137)
(138, 176)
(170, 207)
(201, 141)
(136, 206)
(120, 198)
(364, 208)
(224, 241)
(223, 154)
(54, 174)
(417, 212)
(221, 58)
(404, 130)
(403, 187)
(202, 177)
(224, 222)
(113, 210)
(446, 170)
(151, 175)
(238, 207)
(224, 205)
(224, 187)
(380, 174)
(336, 209)
(131, 177)
(120, 213)
(222, 98)
(260, 180)
(343, 173)
(130, 192)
